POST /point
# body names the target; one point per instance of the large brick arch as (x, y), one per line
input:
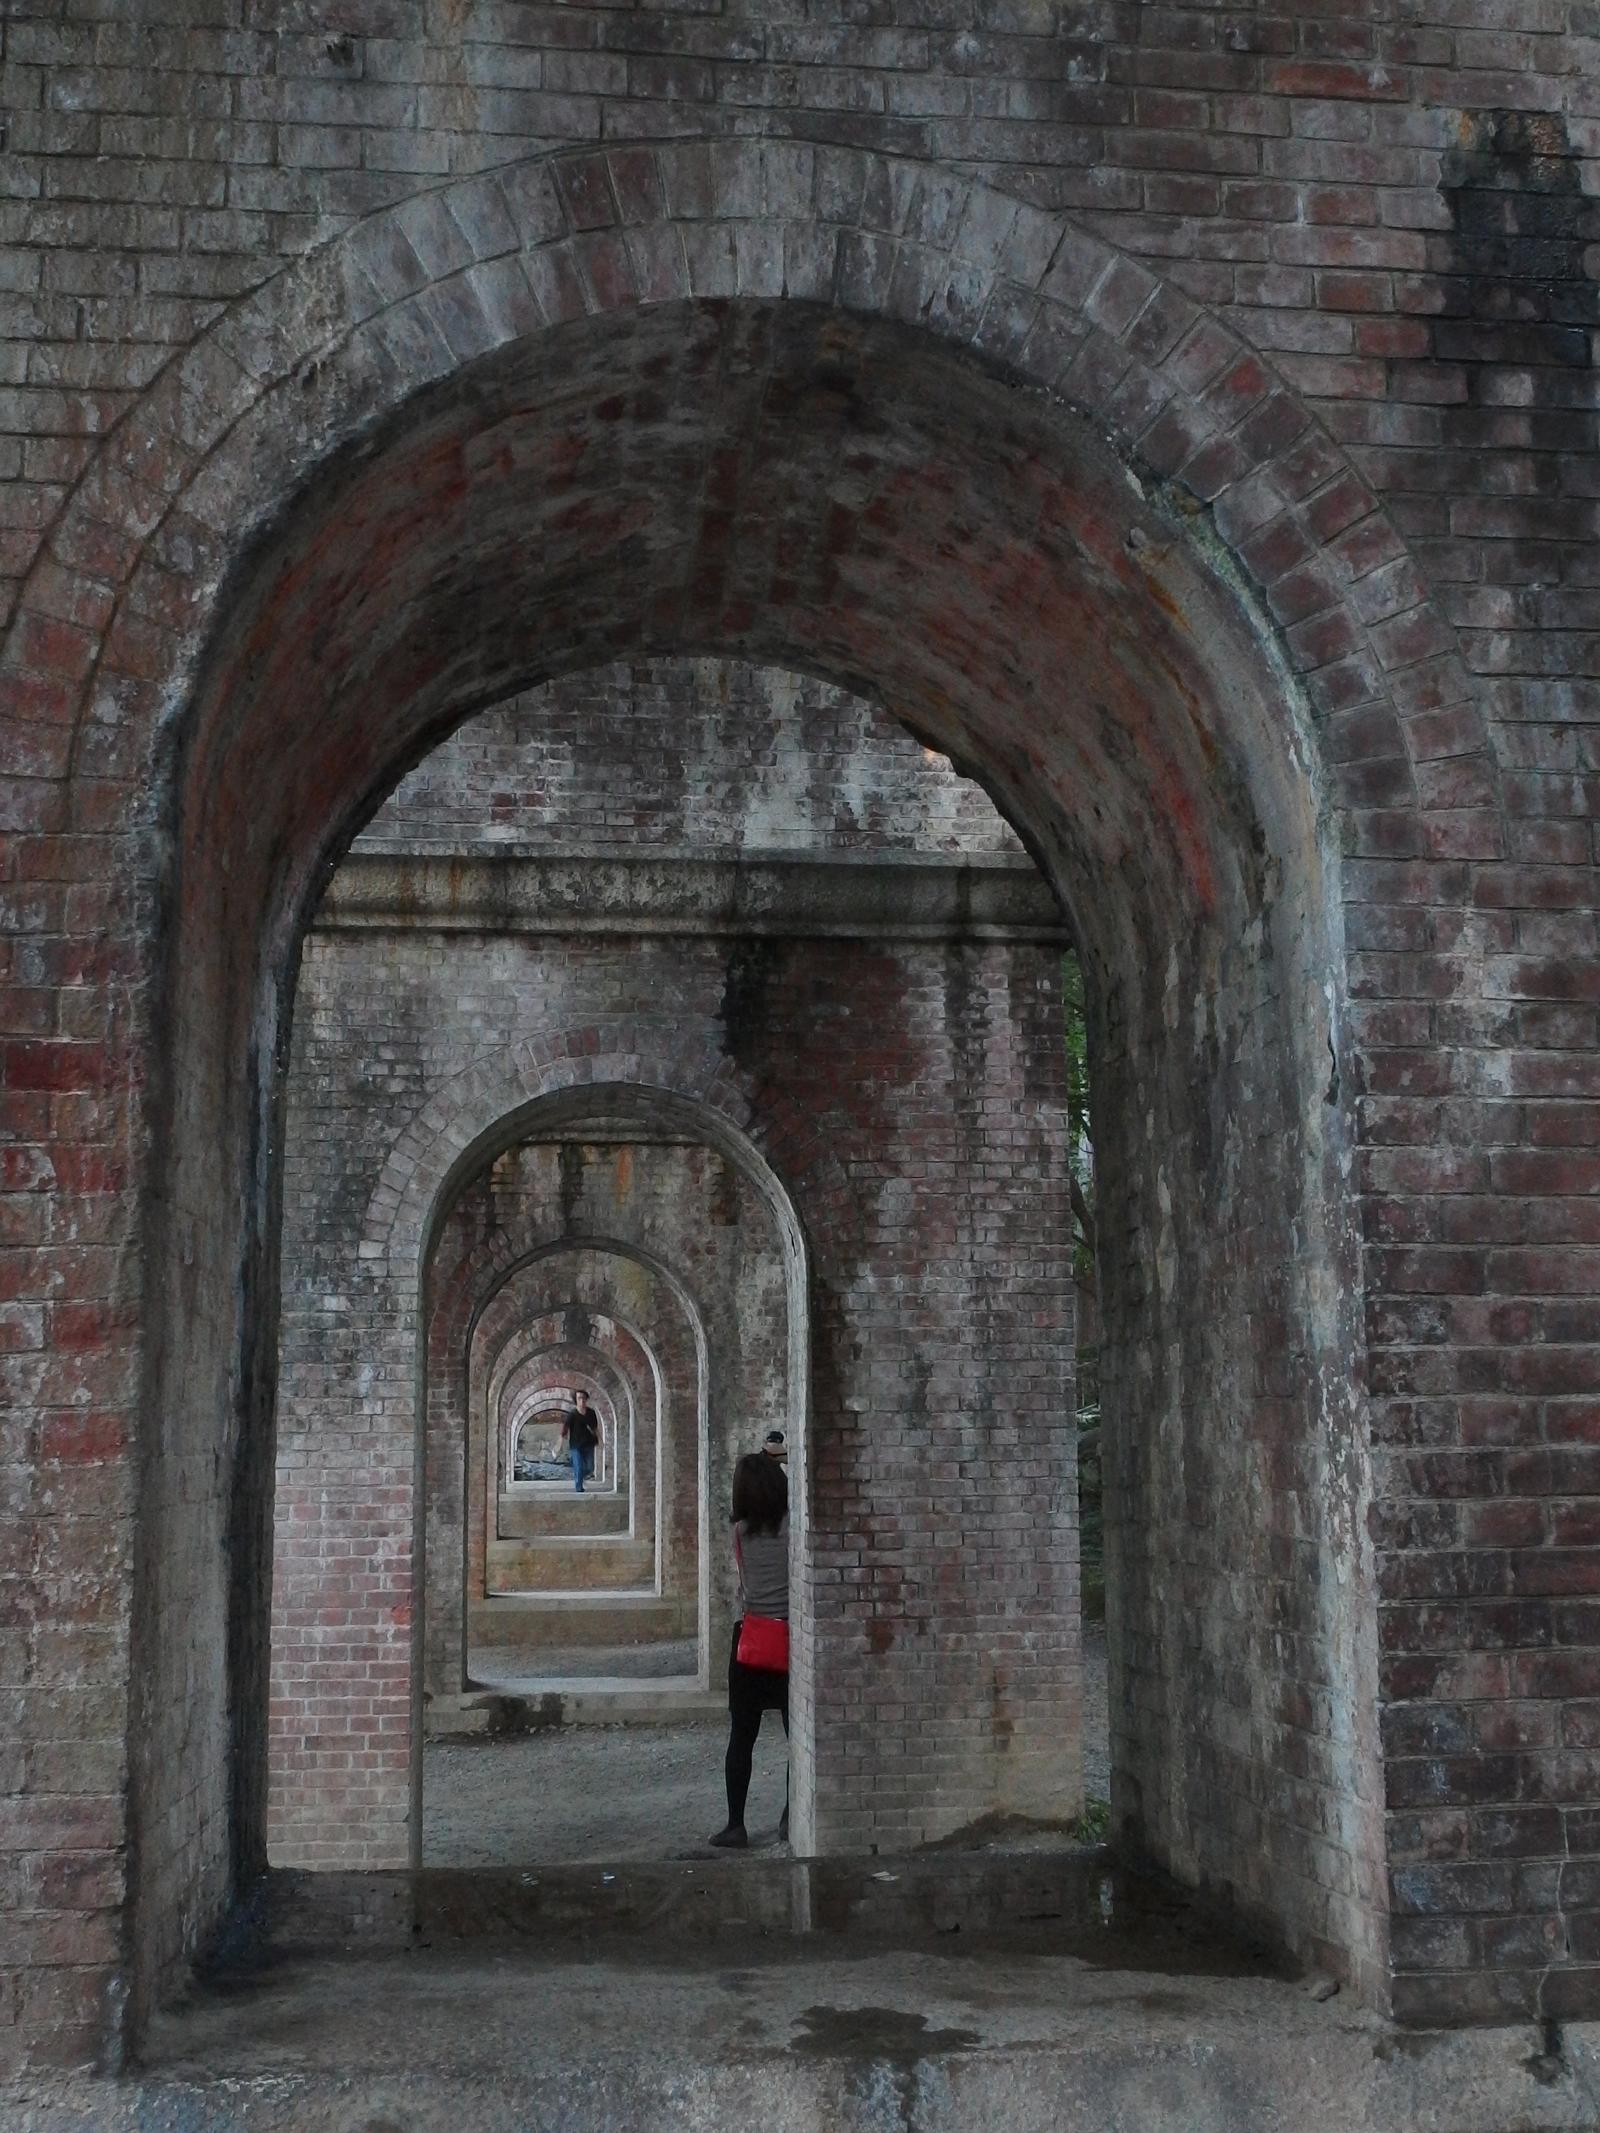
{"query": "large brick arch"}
(670, 1340)
(471, 1305)
(113, 702)
(119, 602)
(631, 1071)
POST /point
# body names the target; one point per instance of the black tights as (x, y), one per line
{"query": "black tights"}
(751, 1694)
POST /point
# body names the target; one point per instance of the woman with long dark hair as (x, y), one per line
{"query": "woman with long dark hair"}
(758, 1663)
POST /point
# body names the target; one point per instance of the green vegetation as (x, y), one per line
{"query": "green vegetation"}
(1093, 1826)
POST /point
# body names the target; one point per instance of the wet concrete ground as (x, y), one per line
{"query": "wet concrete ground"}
(808, 2035)
(661, 1988)
(946, 1993)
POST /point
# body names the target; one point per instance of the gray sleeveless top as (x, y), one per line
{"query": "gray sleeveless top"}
(764, 1579)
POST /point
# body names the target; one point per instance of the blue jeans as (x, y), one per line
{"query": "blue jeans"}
(582, 1457)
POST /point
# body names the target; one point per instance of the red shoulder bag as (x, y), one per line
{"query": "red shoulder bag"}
(763, 1639)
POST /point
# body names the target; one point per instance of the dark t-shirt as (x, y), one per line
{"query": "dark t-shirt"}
(581, 1430)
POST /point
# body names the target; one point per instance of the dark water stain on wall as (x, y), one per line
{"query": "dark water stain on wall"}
(746, 983)
(1515, 256)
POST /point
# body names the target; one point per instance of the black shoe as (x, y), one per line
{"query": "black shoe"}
(783, 1827)
(735, 1838)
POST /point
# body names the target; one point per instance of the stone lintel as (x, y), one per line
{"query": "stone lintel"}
(663, 893)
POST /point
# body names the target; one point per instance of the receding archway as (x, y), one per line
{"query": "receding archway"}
(525, 1404)
(929, 971)
(664, 1502)
(479, 1292)
(783, 478)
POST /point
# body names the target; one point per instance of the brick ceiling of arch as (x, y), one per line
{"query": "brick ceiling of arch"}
(840, 496)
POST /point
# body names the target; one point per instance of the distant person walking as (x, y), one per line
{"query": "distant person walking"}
(580, 1428)
(758, 1663)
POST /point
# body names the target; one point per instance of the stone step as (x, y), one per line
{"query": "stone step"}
(539, 1517)
(1062, 1897)
(647, 2031)
(534, 1621)
(598, 1563)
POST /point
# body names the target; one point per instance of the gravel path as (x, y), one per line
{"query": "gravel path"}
(590, 1793)
(596, 1793)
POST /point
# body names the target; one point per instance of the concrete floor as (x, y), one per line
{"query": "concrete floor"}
(664, 1989)
(804, 2040)
(515, 1670)
(590, 1792)
(941, 1993)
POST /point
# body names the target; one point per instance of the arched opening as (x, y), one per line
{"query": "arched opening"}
(507, 1583)
(853, 499)
(725, 838)
(524, 1242)
(525, 1411)
(525, 1458)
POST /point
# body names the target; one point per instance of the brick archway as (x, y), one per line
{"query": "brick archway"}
(612, 1076)
(502, 1337)
(524, 1382)
(493, 1285)
(150, 586)
(428, 1294)
(634, 1068)
(123, 593)
(664, 1345)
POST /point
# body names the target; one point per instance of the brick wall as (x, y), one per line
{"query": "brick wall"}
(1388, 212)
(1303, 170)
(720, 756)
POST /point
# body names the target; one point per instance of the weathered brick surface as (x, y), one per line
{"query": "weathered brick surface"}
(1385, 218)
(720, 758)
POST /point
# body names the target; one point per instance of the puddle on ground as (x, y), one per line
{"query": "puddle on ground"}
(875, 2033)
